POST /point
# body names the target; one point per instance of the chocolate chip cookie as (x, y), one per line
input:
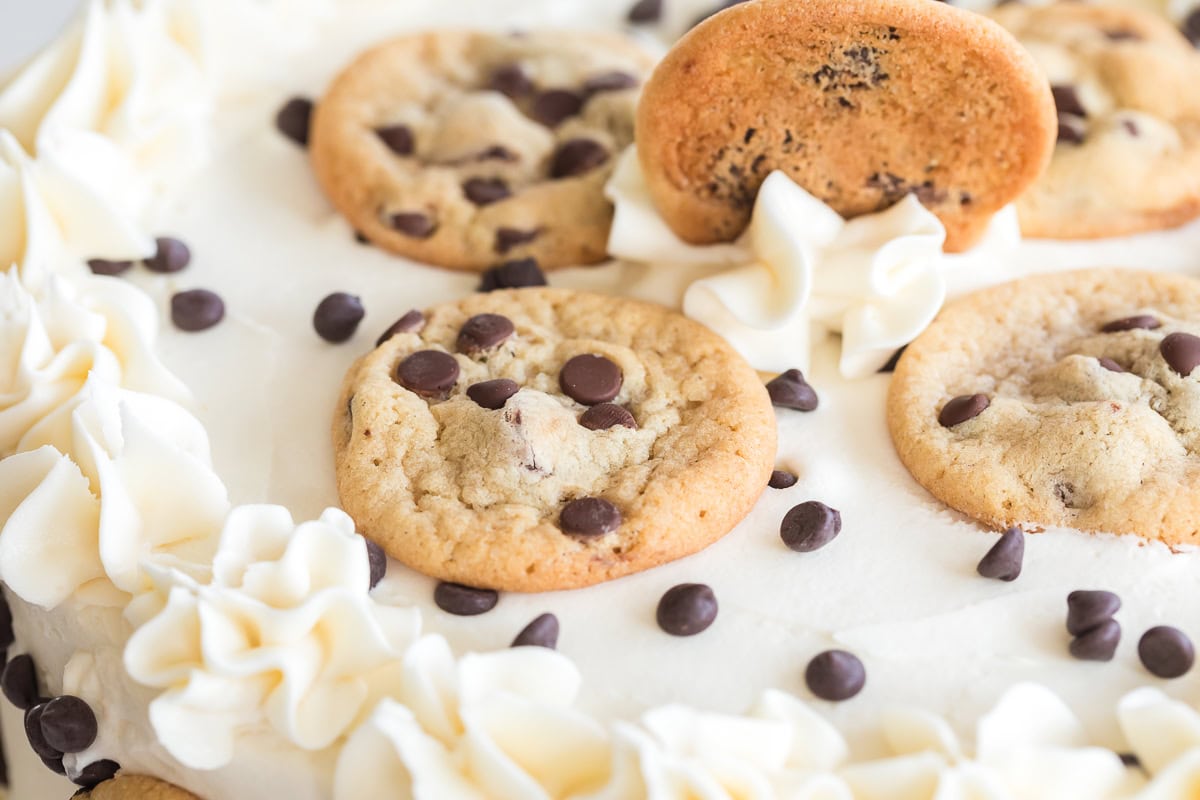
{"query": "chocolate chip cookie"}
(136, 787)
(1128, 154)
(470, 149)
(1069, 400)
(540, 439)
(861, 103)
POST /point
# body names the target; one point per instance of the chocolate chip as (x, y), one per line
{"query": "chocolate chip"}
(377, 562)
(361, 238)
(1131, 127)
(810, 526)
(555, 106)
(1191, 27)
(1130, 760)
(464, 601)
(542, 632)
(1110, 365)
(605, 416)
(102, 266)
(687, 609)
(509, 238)
(963, 408)
(337, 317)
(69, 724)
(294, 119)
(510, 80)
(1166, 652)
(6, 628)
(196, 310)
(485, 191)
(1122, 35)
(1066, 100)
(893, 362)
(576, 157)
(1139, 322)
(170, 255)
(497, 152)
(1087, 609)
(483, 332)
(19, 681)
(791, 390)
(413, 223)
(835, 675)
(97, 773)
(589, 516)
(55, 765)
(645, 11)
(1098, 643)
(513, 275)
(34, 733)
(429, 373)
(412, 321)
(782, 479)
(493, 394)
(1071, 129)
(590, 379)
(398, 138)
(1003, 561)
(615, 81)
(1181, 352)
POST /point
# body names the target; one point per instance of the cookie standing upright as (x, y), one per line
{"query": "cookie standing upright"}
(1061, 400)
(1128, 154)
(467, 150)
(861, 102)
(541, 439)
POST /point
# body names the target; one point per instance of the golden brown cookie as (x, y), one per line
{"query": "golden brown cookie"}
(136, 787)
(1128, 154)
(467, 150)
(861, 102)
(540, 439)
(1068, 400)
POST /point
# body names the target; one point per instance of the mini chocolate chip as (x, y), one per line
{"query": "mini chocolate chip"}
(196, 310)
(1140, 322)
(19, 681)
(810, 526)
(337, 317)
(398, 138)
(576, 157)
(96, 773)
(615, 81)
(34, 733)
(835, 675)
(513, 275)
(1191, 27)
(377, 562)
(464, 601)
(589, 516)
(687, 609)
(542, 632)
(1166, 652)
(1098, 643)
(791, 390)
(645, 11)
(429, 373)
(590, 379)
(1181, 352)
(483, 332)
(1110, 365)
(1066, 100)
(294, 119)
(69, 724)
(485, 191)
(963, 408)
(605, 416)
(1003, 561)
(102, 266)
(1071, 129)
(1131, 127)
(1087, 609)
(782, 479)
(170, 255)
(509, 238)
(493, 394)
(893, 362)
(1130, 760)
(510, 80)
(413, 223)
(412, 321)
(555, 106)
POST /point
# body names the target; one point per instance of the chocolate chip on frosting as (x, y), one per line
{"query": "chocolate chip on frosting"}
(1166, 652)
(589, 516)
(605, 416)
(1066, 100)
(510, 80)
(294, 119)
(483, 332)
(197, 310)
(576, 157)
(810, 526)
(55, 765)
(413, 224)
(1004, 560)
(428, 373)
(69, 724)
(782, 479)
(835, 675)
(510, 238)
(542, 632)
(170, 255)
(398, 138)
(1087, 609)
(645, 11)
(103, 266)
(590, 379)
(493, 394)
(412, 321)
(963, 408)
(687, 609)
(1098, 643)
(337, 317)
(516, 274)
(35, 735)
(485, 191)
(1181, 352)
(555, 106)
(791, 390)
(96, 773)
(464, 601)
(19, 681)
(1139, 322)
(376, 562)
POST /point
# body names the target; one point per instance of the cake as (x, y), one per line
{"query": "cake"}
(176, 566)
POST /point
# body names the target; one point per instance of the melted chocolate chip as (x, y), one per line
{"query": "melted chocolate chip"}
(589, 516)
(791, 390)
(553, 107)
(337, 317)
(782, 479)
(377, 562)
(835, 675)
(1110, 365)
(96, 773)
(577, 157)
(605, 416)
(1066, 100)
(542, 632)
(1087, 609)
(1166, 652)
(398, 138)
(412, 321)
(810, 526)
(590, 379)
(493, 394)
(645, 11)
(69, 724)
(962, 408)
(1098, 643)
(510, 238)
(413, 223)
(1071, 129)
(19, 681)
(34, 734)
(610, 82)
(485, 191)
(516, 274)
(483, 332)
(1181, 351)
(428, 373)
(102, 266)
(294, 119)
(196, 310)
(687, 609)
(510, 80)
(170, 255)
(464, 601)
(1004, 560)
(1139, 322)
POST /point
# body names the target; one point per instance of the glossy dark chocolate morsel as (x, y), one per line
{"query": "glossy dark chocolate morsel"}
(429, 373)
(810, 526)
(687, 609)
(412, 321)
(19, 681)
(963, 408)
(197, 310)
(1181, 351)
(516, 274)
(464, 601)
(1098, 643)
(1088, 608)
(170, 255)
(376, 562)
(590, 379)
(492, 394)
(483, 332)
(294, 119)
(69, 724)
(542, 632)
(589, 516)
(791, 390)
(1166, 652)
(835, 675)
(337, 317)
(1143, 322)
(605, 416)
(1004, 560)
